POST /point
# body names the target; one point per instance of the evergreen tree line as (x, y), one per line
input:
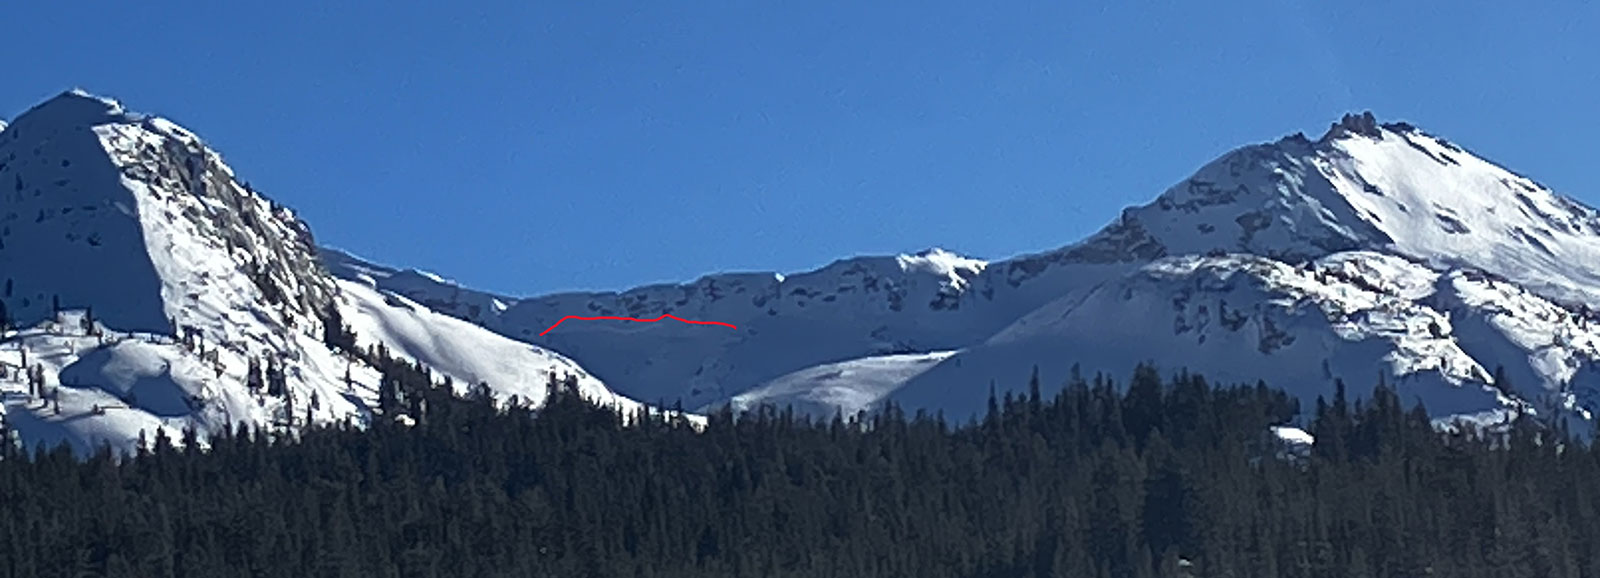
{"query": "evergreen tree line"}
(1153, 477)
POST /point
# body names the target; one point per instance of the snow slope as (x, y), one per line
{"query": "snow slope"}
(1241, 318)
(112, 387)
(1392, 188)
(1375, 249)
(851, 308)
(467, 353)
(845, 388)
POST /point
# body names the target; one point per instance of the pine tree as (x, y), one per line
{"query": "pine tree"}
(1502, 382)
(336, 333)
(388, 395)
(276, 380)
(252, 376)
(1141, 407)
(86, 323)
(1035, 401)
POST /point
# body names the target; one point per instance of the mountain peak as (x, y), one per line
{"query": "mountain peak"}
(73, 108)
(144, 278)
(1366, 186)
(1364, 124)
(81, 95)
(132, 215)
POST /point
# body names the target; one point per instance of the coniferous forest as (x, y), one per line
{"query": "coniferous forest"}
(1154, 476)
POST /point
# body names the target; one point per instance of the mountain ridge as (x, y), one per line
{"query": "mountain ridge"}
(1362, 188)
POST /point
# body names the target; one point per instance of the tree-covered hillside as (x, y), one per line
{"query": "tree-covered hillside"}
(1151, 477)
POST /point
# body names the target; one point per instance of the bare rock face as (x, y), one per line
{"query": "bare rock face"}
(1363, 124)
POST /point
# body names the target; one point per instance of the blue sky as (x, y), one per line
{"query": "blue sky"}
(536, 147)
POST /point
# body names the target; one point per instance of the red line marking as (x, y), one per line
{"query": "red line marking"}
(663, 316)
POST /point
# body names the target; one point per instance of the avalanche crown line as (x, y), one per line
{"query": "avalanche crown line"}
(663, 316)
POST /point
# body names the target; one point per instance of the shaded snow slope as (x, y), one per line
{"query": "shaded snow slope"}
(467, 353)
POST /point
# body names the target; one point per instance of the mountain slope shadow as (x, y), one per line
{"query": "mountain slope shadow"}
(140, 375)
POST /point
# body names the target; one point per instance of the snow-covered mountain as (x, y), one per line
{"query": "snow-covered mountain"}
(145, 281)
(1377, 250)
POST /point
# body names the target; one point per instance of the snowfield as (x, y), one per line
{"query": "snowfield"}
(843, 388)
